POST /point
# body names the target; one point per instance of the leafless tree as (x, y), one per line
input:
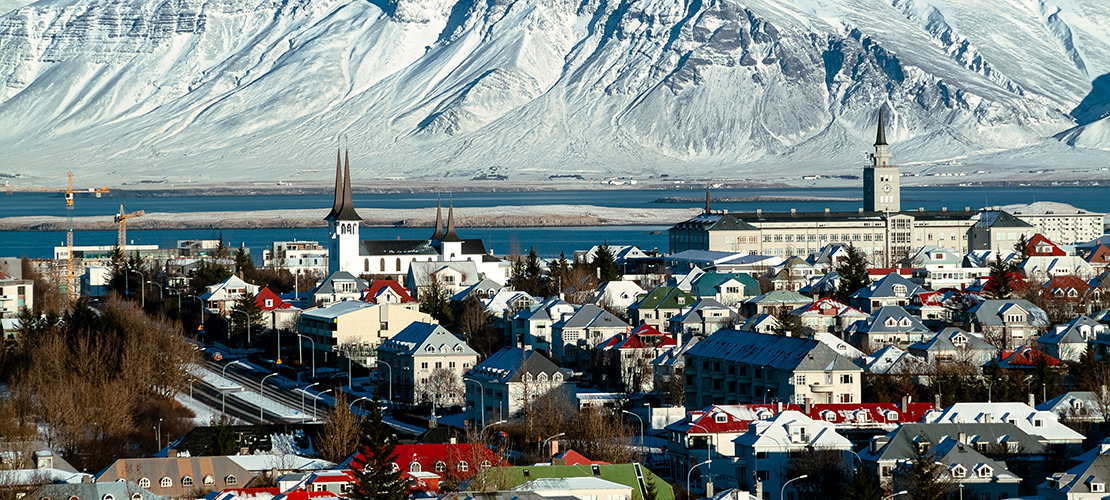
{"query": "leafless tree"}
(442, 387)
(339, 437)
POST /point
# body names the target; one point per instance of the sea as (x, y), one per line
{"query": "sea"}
(548, 242)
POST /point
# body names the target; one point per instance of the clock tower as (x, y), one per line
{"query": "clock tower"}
(881, 191)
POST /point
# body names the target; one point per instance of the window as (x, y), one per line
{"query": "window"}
(959, 472)
(846, 378)
(414, 467)
(985, 471)
(230, 479)
(136, 496)
(108, 497)
(166, 482)
(485, 464)
(800, 379)
(187, 481)
(441, 467)
(144, 483)
(209, 481)
(463, 466)
(424, 365)
(720, 418)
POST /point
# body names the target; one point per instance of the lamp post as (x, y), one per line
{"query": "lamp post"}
(314, 398)
(303, 392)
(387, 365)
(224, 375)
(159, 434)
(482, 395)
(301, 346)
(357, 400)
(688, 474)
(159, 285)
(542, 445)
(244, 313)
(903, 492)
(782, 493)
(261, 416)
(641, 428)
(483, 431)
(708, 452)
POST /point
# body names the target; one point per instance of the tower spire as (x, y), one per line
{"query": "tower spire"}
(450, 234)
(439, 232)
(707, 208)
(880, 136)
(346, 208)
(338, 187)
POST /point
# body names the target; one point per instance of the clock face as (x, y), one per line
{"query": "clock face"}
(886, 188)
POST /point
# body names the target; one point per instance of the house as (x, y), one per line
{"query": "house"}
(891, 290)
(669, 367)
(117, 490)
(450, 276)
(732, 367)
(977, 475)
(1068, 342)
(1024, 358)
(889, 325)
(998, 230)
(1040, 246)
(298, 257)
(574, 337)
(839, 345)
(971, 439)
(726, 288)
(829, 256)
(1078, 406)
(631, 354)
(502, 385)
(16, 295)
(709, 434)
(1042, 269)
(616, 294)
(505, 303)
(828, 315)
(278, 314)
(456, 462)
(659, 305)
(483, 289)
(337, 287)
(953, 345)
(763, 323)
(389, 292)
(354, 328)
(415, 353)
(705, 316)
(772, 302)
(792, 274)
(890, 360)
(177, 477)
(531, 328)
(1044, 425)
(763, 453)
(935, 257)
(222, 296)
(1098, 257)
(1009, 322)
(1086, 481)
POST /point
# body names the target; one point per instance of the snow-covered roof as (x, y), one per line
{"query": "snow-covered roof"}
(1039, 423)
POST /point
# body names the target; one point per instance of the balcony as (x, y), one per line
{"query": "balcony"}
(815, 387)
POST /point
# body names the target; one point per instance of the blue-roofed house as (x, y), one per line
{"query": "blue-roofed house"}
(415, 357)
(499, 387)
(889, 325)
(891, 290)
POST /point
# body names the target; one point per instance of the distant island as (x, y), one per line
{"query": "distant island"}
(749, 199)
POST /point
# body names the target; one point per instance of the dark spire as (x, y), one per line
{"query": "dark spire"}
(338, 186)
(707, 209)
(439, 232)
(347, 208)
(450, 235)
(880, 136)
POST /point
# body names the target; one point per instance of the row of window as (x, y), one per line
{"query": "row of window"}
(790, 238)
(186, 481)
(441, 467)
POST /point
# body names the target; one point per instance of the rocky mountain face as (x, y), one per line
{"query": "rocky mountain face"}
(215, 90)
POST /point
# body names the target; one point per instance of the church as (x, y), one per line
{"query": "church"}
(393, 258)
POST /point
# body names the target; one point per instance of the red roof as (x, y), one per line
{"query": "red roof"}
(452, 457)
(574, 458)
(305, 495)
(877, 273)
(880, 413)
(1039, 245)
(635, 340)
(275, 302)
(1065, 283)
(735, 419)
(1099, 255)
(1024, 357)
(377, 286)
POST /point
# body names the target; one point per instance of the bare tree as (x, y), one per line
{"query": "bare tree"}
(339, 436)
(443, 387)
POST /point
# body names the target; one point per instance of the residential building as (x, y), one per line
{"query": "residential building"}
(531, 328)
(1025, 358)
(1068, 342)
(354, 328)
(221, 297)
(177, 477)
(733, 367)
(389, 292)
(277, 314)
(451, 276)
(116, 490)
(1041, 269)
(298, 257)
(828, 315)
(709, 434)
(891, 290)
(457, 462)
(617, 295)
(1045, 425)
(15, 295)
(659, 305)
(639, 479)
(483, 289)
(953, 345)
(1010, 322)
(773, 302)
(574, 337)
(414, 353)
(1078, 406)
(793, 274)
(998, 231)
(1086, 481)
(631, 356)
(763, 452)
(509, 380)
(726, 288)
(703, 317)
(889, 325)
(338, 287)
(1060, 222)
(976, 475)
(890, 360)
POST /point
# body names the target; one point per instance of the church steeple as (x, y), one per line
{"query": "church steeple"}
(439, 232)
(338, 187)
(346, 210)
(881, 180)
(881, 157)
(450, 234)
(880, 136)
(707, 208)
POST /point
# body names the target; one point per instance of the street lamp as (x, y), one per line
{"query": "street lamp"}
(303, 392)
(482, 434)
(708, 452)
(244, 313)
(387, 365)
(903, 492)
(224, 375)
(314, 398)
(159, 435)
(357, 400)
(261, 417)
(482, 394)
(301, 353)
(159, 285)
(782, 493)
(688, 474)
(641, 428)
(544, 443)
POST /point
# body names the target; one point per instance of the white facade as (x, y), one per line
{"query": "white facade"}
(299, 257)
(762, 453)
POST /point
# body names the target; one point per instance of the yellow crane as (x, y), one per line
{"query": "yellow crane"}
(121, 219)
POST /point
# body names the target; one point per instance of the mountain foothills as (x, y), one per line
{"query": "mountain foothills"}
(225, 90)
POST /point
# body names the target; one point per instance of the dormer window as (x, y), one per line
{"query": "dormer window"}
(1098, 487)
(985, 471)
(891, 322)
(720, 418)
(429, 349)
(959, 472)
(900, 290)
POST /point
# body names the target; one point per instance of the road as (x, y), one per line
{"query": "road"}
(250, 381)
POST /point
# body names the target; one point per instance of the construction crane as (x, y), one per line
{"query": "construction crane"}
(71, 269)
(121, 219)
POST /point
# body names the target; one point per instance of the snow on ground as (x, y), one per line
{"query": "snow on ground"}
(204, 414)
(212, 378)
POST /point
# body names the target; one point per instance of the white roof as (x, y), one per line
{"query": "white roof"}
(777, 431)
(570, 483)
(267, 462)
(840, 346)
(1022, 415)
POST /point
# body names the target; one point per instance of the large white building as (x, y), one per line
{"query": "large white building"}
(299, 257)
(415, 353)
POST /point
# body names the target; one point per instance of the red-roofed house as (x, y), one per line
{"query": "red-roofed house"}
(278, 314)
(878, 273)
(389, 292)
(828, 315)
(1024, 358)
(1067, 287)
(632, 353)
(571, 457)
(1041, 246)
(448, 461)
(1098, 257)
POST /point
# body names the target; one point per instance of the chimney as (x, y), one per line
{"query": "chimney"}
(554, 447)
(808, 406)
(967, 209)
(961, 437)
(454, 440)
(943, 209)
(937, 403)
(758, 211)
(171, 453)
(778, 407)
(905, 403)
(1032, 399)
(920, 209)
(826, 210)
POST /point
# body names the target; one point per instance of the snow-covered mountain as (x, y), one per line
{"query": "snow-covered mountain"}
(220, 90)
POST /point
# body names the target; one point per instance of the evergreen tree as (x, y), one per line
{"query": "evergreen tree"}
(372, 467)
(606, 264)
(244, 265)
(863, 486)
(998, 284)
(926, 478)
(1021, 248)
(435, 301)
(223, 441)
(246, 307)
(559, 275)
(852, 270)
(788, 325)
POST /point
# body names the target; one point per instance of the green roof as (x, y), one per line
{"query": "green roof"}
(706, 284)
(510, 477)
(664, 297)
